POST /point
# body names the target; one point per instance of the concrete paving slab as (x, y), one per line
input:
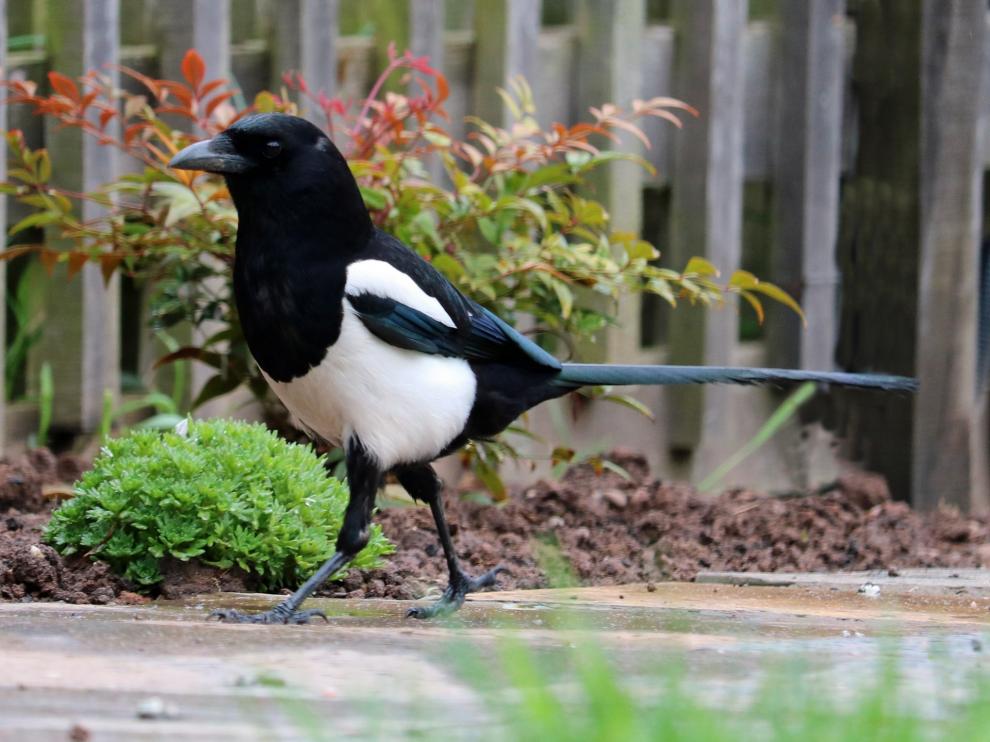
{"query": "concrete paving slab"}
(369, 672)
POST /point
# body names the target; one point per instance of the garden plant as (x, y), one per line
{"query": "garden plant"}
(228, 494)
(510, 218)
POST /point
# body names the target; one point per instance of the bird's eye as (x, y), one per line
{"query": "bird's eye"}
(273, 149)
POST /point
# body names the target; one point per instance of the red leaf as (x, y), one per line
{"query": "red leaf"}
(422, 64)
(105, 117)
(108, 264)
(76, 261)
(178, 110)
(180, 91)
(193, 68)
(63, 85)
(211, 106)
(210, 87)
(131, 131)
(88, 99)
(49, 259)
(153, 87)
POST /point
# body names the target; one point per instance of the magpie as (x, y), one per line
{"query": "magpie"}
(371, 348)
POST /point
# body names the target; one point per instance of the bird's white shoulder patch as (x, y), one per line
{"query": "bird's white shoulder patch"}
(383, 279)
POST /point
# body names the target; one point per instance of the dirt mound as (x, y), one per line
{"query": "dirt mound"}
(604, 529)
(612, 531)
(29, 569)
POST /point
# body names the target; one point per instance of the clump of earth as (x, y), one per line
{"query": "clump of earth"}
(594, 529)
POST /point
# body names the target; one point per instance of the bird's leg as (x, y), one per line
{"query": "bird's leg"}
(363, 478)
(423, 484)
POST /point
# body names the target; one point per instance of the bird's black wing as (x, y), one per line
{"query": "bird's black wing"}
(477, 334)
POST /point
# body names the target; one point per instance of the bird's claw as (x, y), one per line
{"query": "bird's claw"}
(274, 616)
(453, 596)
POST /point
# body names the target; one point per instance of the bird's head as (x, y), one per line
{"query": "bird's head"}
(277, 163)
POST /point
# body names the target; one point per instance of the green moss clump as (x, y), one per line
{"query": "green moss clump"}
(227, 493)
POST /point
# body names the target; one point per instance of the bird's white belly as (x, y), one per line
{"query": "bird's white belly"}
(404, 406)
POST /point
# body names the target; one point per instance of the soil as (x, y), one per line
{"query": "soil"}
(595, 529)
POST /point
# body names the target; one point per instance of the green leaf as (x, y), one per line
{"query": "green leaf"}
(632, 403)
(216, 386)
(38, 219)
(779, 295)
(489, 230)
(448, 265)
(374, 199)
(564, 296)
(641, 250)
(702, 267)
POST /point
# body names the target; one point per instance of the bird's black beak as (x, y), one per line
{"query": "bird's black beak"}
(216, 155)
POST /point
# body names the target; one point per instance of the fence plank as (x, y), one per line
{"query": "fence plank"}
(877, 250)
(426, 30)
(506, 44)
(610, 34)
(658, 80)
(306, 40)
(806, 180)
(3, 229)
(81, 336)
(203, 25)
(706, 207)
(945, 458)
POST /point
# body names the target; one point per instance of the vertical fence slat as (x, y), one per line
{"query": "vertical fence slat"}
(3, 229)
(610, 35)
(81, 337)
(203, 25)
(306, 40)
(806, 180)
(945, 461)
(507, 36)
(706, 206)
(426, 30)
(657, 80)
(877, 250)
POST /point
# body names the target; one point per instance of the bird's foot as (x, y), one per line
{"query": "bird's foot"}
(279, 614)
(453, 596)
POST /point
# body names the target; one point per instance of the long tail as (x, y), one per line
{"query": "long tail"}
(592, 374)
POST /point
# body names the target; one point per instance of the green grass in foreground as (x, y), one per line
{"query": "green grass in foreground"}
(530, 698)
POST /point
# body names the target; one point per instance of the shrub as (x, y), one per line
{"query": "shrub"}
(226, 493)
(508, 214)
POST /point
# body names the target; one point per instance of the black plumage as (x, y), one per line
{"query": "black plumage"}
(343, 319)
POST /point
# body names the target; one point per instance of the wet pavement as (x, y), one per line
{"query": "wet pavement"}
(162, 671)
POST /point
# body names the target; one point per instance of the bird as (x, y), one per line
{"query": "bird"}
(371, 348)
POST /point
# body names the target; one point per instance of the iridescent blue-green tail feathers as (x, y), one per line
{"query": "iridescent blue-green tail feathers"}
(592, 374)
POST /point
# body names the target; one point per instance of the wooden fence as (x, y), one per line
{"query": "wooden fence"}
(840, 150)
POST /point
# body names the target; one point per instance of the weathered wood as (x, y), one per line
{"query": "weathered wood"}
(203, 25)
(458, 66)
(506, 45)
(610, 36)
(945, 458)
(81, 337)
(426, 30)
(3, 229)
(426, 39)
(760, 74)
(877, 251)
(706, 208)
(555, 88)
(806, 181)
(657, 80)
(306, 41)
